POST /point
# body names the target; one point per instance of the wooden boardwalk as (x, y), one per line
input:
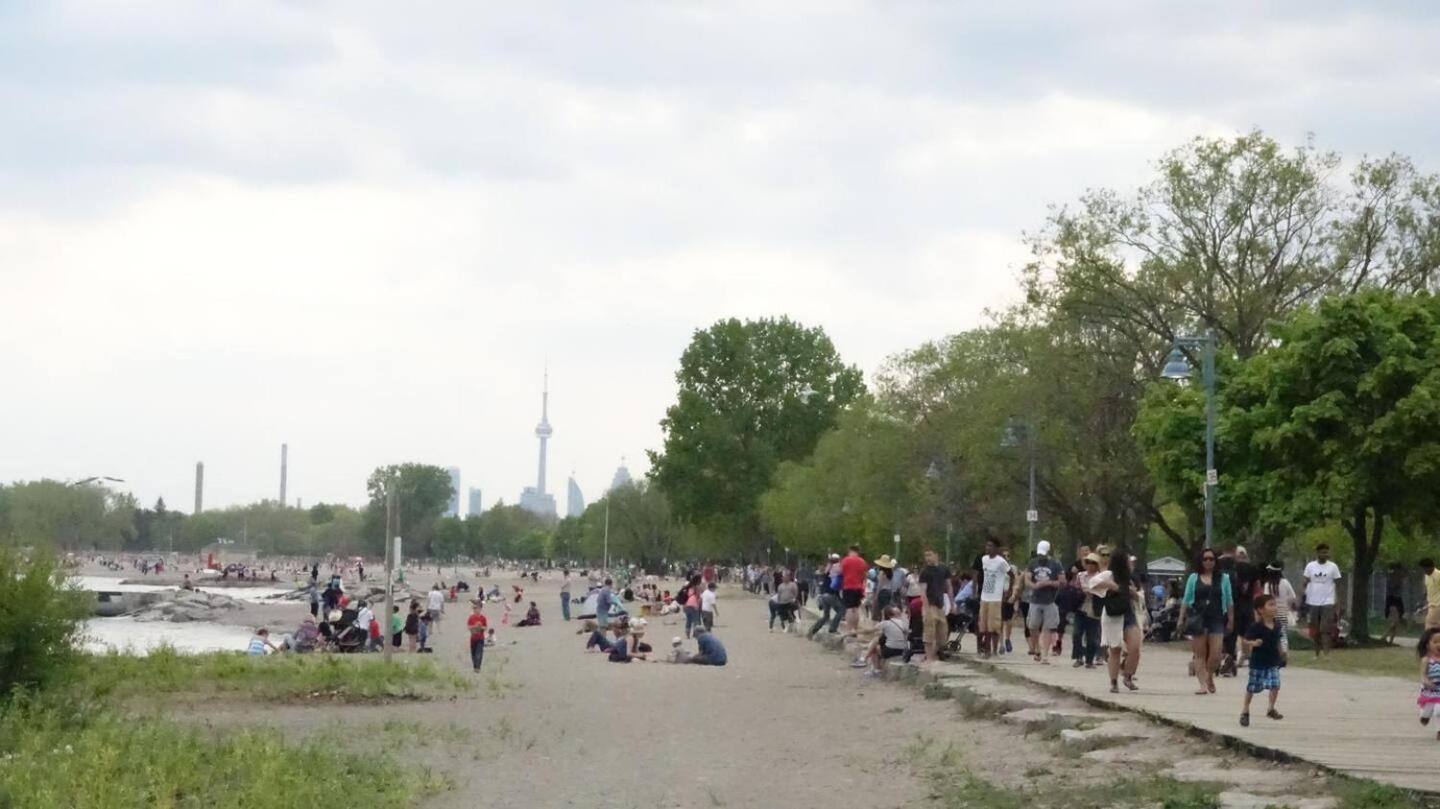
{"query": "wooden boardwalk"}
(1365, 726)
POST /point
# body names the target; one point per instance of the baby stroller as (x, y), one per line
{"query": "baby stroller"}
(349, 637)
(961, 622)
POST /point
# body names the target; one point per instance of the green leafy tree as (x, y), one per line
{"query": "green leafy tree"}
(424, 493)
(753, 394)
(1349, 401)
(449, 541)
(321, 513)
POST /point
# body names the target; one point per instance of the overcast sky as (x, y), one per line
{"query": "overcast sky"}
(361, 228)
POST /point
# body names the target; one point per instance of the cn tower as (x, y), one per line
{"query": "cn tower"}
(543, 432)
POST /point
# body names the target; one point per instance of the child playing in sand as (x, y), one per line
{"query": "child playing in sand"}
(1266, 657)
(1429, 651)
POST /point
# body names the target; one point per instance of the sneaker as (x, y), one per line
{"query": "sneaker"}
(1273, 714)
(858, 664)
(1077, 664)
(1244, 720)
(1424, 720)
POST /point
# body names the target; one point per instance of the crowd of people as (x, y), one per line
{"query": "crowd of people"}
(1235, 614)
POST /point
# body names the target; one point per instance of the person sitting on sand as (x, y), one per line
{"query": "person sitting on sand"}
(532, 616)
(621, 650)
(677, 651)
(307, 637)
(260, 644)
(597, 641)
(712, 652)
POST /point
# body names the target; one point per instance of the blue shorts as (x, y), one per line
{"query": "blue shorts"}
(1263, 680)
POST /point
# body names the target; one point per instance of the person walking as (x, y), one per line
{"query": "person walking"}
(787, 594)
(477, 624)
(1320, 577)
(689, 597)
(1206, 610)
(435, 605)
(853, 570)
(1119, 629)
(1085, 645)
(1280, 589)
(1262, 640)
(1432, 593)
(935, 578)
(994, 589)
(1043, 578)
(707, 606)
(565, 594)
(884, 587)
(832, 609)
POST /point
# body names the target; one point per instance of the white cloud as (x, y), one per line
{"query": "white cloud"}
(362, 230)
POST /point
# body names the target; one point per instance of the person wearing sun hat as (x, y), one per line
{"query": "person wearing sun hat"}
(884, 586)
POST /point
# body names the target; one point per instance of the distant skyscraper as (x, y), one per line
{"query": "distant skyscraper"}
(622, 476)
(535, 499)
(453, 509)
(475, 504)
(574, 500)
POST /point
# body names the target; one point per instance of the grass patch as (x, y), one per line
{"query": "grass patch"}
(346, 678)
(62, 758)
(978, 706)
(1391, 661)
(1357, 794)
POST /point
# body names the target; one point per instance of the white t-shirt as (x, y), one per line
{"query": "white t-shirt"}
(1320, 584)
(997, 578)
(896, 633)
(707, 601)
(436, 601)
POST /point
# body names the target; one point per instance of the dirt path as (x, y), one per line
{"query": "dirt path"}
(785, 720)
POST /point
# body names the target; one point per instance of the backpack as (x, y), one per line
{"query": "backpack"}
(1115, 603)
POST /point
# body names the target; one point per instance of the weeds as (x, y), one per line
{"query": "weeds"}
(349, 678)
(54, 757)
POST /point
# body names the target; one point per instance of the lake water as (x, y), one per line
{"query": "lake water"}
(251, 595)
(139, 637)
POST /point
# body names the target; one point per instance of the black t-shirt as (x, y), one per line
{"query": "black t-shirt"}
(935, 578)
(1267, 654)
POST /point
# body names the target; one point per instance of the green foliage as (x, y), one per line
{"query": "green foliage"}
(39, 622)
(348, 678)
(52, 514)
(54, 757)
(742, 410)
(424, 492)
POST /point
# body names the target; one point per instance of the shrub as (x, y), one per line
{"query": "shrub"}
(39, 621)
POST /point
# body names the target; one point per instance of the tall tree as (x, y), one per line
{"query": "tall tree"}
(1348, 401)
(752, 395)
(424, 492)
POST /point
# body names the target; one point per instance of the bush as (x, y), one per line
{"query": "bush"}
(39, 621)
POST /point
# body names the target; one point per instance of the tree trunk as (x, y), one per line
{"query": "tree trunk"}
(1365, 539)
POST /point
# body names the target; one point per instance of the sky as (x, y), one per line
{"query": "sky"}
(366, 228)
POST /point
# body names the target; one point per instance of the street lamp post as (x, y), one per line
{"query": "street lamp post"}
(1015, 435)
(1177, 367)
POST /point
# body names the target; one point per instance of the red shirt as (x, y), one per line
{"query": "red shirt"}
(852, 572)
(477, 624)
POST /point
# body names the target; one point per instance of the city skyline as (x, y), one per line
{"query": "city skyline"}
(622, 206)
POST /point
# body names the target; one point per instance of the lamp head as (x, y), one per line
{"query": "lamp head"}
(1177, 366)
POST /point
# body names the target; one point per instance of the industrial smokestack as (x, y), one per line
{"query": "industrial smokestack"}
(199, 486)
(284, 463)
